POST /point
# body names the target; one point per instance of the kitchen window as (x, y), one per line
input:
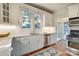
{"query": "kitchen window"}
(26, 19)
(31, 19)
(37, 19)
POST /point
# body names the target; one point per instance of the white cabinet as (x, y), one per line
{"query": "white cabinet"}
(5, 13)
(5, 51)
(20, 12)
(15, 13)
(48, 19)
(73, 10)
(36, 42)
(27, 17)
(52, 39)
(26, 44)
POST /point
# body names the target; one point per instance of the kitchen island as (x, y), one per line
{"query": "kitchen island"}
(61, 50)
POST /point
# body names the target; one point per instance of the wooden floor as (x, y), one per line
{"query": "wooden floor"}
(61, 49)
(58, 46)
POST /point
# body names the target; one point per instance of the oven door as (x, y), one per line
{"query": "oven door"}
(74, 21)
(73, 44)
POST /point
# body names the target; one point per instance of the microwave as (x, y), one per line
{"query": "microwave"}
(74, 21)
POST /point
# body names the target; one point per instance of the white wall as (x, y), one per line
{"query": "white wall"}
(61, 13)
(48, 19)
(16, 16)
(16, 13)
(58, 15)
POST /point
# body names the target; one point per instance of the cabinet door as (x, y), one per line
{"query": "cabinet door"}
(25, 45)
(5, 12)
(17, 46)
(73, 10)
(29, 44)
(5, 51)
(52, 39)
(33, 44)
(36, 42)
(40, 41)
(15, 13)
(20, 46)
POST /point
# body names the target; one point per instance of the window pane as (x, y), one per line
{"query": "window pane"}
(26, 19)
(37, 19)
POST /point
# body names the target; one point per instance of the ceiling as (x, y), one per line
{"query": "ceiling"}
(54, 6)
